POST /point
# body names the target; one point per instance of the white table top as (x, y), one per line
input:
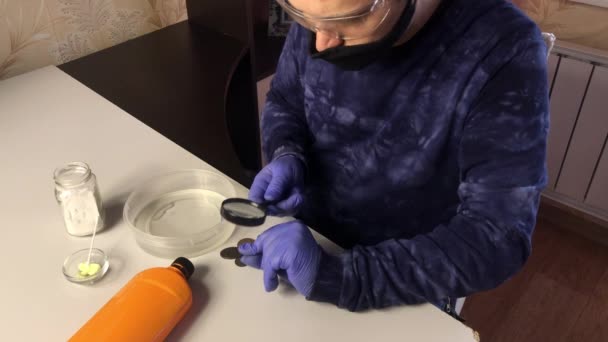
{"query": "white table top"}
(47, 119)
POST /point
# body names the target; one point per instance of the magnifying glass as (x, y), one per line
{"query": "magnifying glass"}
(243, 212)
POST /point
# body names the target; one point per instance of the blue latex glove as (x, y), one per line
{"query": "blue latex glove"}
(280, 183)
(289, 250)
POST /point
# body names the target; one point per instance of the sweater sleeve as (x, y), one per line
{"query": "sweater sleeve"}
(284, 126)
(502, 172)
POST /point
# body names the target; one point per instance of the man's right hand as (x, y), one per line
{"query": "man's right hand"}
(280, 183)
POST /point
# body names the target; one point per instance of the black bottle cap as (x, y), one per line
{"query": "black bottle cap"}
(185, 266)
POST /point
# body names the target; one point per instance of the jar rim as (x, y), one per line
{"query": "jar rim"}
(72, 174)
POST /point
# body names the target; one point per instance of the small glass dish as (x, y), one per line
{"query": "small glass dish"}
(71, 264)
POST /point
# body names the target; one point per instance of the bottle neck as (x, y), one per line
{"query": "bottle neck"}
(183, 266)
(178, 271)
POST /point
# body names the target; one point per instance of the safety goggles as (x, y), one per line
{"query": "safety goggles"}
(359, 24)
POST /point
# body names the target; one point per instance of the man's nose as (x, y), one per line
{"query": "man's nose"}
(326, 41)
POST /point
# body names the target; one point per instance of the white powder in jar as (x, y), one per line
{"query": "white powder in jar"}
(81, 212)
(77, 193)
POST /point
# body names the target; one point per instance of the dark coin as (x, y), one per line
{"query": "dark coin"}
(244, 241)
(230, 253)
(239, 263)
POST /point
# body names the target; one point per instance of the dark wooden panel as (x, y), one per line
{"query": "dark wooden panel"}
(591, 324)
(560, 215)
(244, 129)
(548, 304)
(175, 80)
(560, 295)
(267, 52)
(232, 17)
(246, 20)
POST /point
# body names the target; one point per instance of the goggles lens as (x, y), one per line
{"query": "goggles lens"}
(354, 25)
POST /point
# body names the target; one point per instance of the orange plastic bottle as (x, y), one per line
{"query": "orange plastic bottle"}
(146, 309)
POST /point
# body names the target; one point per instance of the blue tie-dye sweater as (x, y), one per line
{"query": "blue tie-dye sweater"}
(427, 164)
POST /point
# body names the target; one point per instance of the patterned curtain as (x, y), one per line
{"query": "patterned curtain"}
(570, 21)
(36, 33)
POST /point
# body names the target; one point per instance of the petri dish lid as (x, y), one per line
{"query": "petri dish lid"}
(181, 213)
(178, 214)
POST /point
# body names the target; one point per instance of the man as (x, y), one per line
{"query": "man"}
(412, 133)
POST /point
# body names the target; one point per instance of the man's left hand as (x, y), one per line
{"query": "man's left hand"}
(289, 250)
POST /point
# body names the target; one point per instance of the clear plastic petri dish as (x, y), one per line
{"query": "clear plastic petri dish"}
(178, 214)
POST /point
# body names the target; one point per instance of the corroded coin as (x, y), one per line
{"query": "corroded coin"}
(230, 253)
(238, 262)
(244, 241)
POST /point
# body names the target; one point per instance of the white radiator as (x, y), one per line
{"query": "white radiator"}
(577, 155)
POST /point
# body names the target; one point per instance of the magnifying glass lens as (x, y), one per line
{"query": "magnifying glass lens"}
(243, 212)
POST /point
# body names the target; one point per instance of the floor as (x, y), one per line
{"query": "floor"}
(560, 295)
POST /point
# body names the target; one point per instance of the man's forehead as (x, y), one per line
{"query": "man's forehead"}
(324, 8)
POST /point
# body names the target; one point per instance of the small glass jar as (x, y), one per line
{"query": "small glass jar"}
(77, 193)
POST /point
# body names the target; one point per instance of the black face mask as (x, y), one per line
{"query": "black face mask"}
(359, 56)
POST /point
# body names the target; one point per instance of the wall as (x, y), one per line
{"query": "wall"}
(36, 33)
(570, 21)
